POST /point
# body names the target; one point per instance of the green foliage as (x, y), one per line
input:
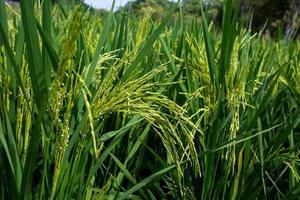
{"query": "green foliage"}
(119, 107)
(156, 8)
(276, 14)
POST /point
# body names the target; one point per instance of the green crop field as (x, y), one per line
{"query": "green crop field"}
(116, 106)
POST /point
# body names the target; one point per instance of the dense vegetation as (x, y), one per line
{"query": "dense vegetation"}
(119, 107)
(275, 16)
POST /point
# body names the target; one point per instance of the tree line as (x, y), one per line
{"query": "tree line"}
(277, 16)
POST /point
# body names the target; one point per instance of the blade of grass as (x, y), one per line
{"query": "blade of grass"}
(145, 181)
(38, 78)
(105, 36)
(47, 8)
(209, 50)
(3, 21)
(133, 67)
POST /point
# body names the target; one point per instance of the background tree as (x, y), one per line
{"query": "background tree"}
(279, 14)
(157, 8)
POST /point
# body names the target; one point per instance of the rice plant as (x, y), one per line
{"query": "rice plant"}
(122, 107)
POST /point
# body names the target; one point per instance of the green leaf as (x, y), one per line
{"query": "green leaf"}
(145, 182)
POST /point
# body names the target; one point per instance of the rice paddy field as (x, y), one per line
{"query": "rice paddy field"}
(121, 107)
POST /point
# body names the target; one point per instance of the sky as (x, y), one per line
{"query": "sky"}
(105, 4)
